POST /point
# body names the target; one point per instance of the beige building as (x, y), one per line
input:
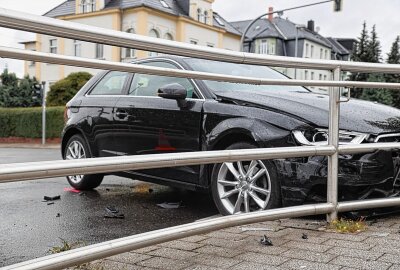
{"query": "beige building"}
(190, 21)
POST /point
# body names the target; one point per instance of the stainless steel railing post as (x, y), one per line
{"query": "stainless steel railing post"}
(333, 166)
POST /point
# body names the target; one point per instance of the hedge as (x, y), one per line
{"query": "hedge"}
(27, 122)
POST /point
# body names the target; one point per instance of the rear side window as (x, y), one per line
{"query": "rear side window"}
(111, 84)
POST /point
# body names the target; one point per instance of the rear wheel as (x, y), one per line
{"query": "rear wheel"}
(76, 148)
(239, 187)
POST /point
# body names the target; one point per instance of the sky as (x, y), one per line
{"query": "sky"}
(345, 24)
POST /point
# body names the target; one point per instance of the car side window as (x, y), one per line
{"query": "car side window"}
(148, 85)
(111, 84)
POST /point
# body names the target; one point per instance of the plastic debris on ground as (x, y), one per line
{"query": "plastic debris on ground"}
(168, 205)
(304, 236)
(51, 198)
(266, 241)
(246, 229)
(58, 215)
(113, 212)
(73, 190)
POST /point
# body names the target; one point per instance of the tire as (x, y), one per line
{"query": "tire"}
(260, 187)
(77, 148)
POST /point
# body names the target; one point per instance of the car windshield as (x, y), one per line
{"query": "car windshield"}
(240, 70)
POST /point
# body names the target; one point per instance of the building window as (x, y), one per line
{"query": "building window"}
(205, 17)
(87, 6)
(312, 51)
(306, 74)
(168, 36)
(99, 51)
(53, 45)
(153, 33)
(312, 75)
(164, 4)
(324, 77)
(326, 54)
(320, 77)
(77, 48)
(130, 53)
(267, 46)
(307, 50)
(321, 53)
(199, 15)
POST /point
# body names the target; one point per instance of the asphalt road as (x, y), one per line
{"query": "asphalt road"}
(30, 227)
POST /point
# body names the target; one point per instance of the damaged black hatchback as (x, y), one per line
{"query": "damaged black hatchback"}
(118, 114)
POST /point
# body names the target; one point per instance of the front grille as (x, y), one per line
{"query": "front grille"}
(388, 138)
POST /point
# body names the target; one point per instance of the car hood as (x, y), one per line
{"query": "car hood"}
(313, 108)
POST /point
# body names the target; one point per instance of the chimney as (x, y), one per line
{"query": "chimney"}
(270, 15)
(311, 25)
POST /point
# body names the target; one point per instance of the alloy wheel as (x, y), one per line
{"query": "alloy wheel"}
(244, 186)
(75, 150)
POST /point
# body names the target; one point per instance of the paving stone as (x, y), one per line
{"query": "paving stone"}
(360, 263)
(390, 258)
(253, 266)
(120, 266)
(310, 238)
(349, 244)
(227, 235)
(201, 267)
(344, 236)
(309, 255)
(145, 250)
(302, 264)
(278, 233)
(215, 261)
(220, 251)
(172, 253)
(386, 249)
(309, 246)
(129, 258)
(261, 258)
(223, 243)
(351, 252)
(182, 245)
(395, 267)
(165, 263)
(383, 241)
(195, 238)
(257, 247)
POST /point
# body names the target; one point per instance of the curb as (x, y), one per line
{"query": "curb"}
(30, 145)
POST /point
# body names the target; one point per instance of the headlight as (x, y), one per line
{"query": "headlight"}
(320, 137)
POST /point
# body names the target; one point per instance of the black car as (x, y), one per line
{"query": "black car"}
(118, 114)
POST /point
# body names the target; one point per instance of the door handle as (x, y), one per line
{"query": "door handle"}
(121, 114)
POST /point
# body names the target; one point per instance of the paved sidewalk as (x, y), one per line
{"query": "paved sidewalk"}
(236, 248)
(30, 145)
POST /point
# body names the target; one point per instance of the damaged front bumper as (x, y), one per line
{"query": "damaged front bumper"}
(361, 176)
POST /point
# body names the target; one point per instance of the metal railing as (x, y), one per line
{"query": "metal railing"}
(34, 170)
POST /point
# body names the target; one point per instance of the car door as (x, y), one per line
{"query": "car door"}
(99, 104)
(148, 124)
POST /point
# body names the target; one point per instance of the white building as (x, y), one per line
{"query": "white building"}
(191, 21)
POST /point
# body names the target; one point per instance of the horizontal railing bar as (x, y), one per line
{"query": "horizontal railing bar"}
(117, 246)
(36, 170)
(127, 67)
(367, 147)
(367, 204)
(61, 28)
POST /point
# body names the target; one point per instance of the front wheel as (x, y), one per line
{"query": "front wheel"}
(76, 148)
(246, 186)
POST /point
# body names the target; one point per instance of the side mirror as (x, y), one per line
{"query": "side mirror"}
(173, 91)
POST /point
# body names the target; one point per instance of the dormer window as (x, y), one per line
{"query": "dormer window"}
(87, 6)
(199, 15)
(206, 17)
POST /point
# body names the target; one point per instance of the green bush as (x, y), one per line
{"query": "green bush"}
(62, 91)
(27, 122)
